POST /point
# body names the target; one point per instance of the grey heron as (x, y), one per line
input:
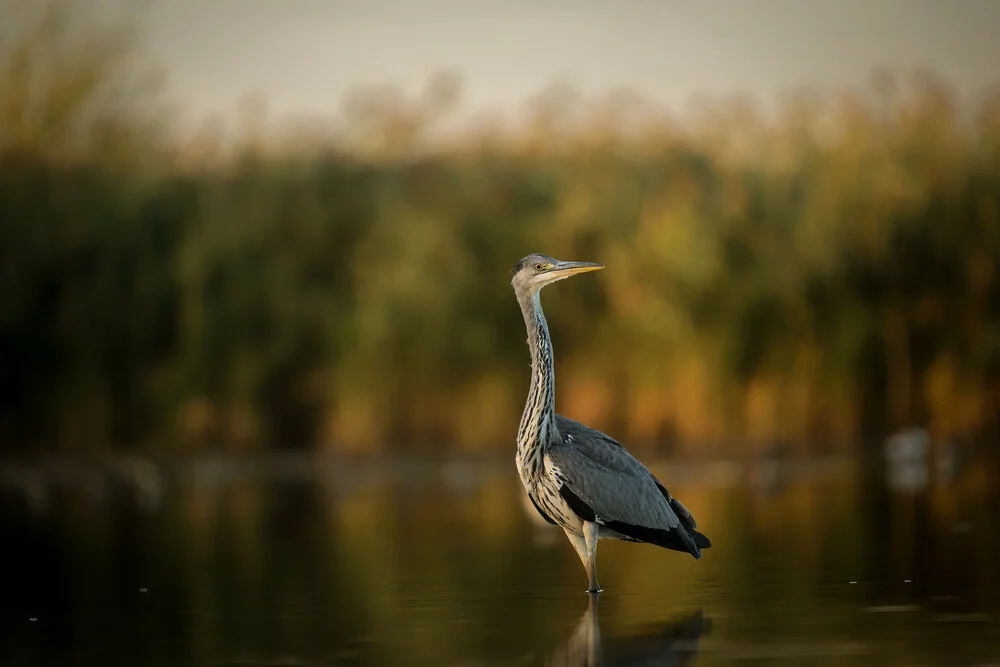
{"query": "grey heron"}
(576, 477)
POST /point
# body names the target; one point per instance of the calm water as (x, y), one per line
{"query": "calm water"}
(439, 564)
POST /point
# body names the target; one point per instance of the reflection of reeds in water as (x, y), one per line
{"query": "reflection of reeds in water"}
(391, 560)
(671, 643)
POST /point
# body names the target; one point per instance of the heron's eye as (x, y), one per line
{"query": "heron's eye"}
(539, 267)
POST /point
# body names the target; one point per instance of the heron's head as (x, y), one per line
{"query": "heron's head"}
(535, 271)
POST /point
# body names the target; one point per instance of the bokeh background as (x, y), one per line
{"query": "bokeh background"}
(258, 343)
(806, 254)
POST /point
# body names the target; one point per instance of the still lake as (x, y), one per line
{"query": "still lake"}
(315, 562)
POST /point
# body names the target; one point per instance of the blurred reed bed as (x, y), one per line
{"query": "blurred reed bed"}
(810, 274)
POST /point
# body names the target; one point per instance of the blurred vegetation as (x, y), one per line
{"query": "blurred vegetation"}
(810, 274)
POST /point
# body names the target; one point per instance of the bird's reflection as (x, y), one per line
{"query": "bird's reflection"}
(671, 643)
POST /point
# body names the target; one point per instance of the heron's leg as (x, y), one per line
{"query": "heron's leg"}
(580, 545)
(590, 535)
(586, 549)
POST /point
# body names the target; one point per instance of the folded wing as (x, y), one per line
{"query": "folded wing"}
(602, 482)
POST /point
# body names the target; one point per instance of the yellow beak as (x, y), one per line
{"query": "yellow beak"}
(566, 269)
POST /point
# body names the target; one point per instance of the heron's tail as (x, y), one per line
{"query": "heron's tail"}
(690, 525)
(700, 540)
(678, 538)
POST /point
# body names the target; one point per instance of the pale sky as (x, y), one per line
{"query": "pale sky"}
(303, 54)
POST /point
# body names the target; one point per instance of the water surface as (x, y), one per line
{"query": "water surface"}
(312, 563)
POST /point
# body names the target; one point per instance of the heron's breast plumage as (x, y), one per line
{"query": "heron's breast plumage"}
(544, 491)
(546, 495)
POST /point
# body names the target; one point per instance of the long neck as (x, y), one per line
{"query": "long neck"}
(538, 428)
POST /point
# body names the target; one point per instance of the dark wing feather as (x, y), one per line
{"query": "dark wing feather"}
(687, 519)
